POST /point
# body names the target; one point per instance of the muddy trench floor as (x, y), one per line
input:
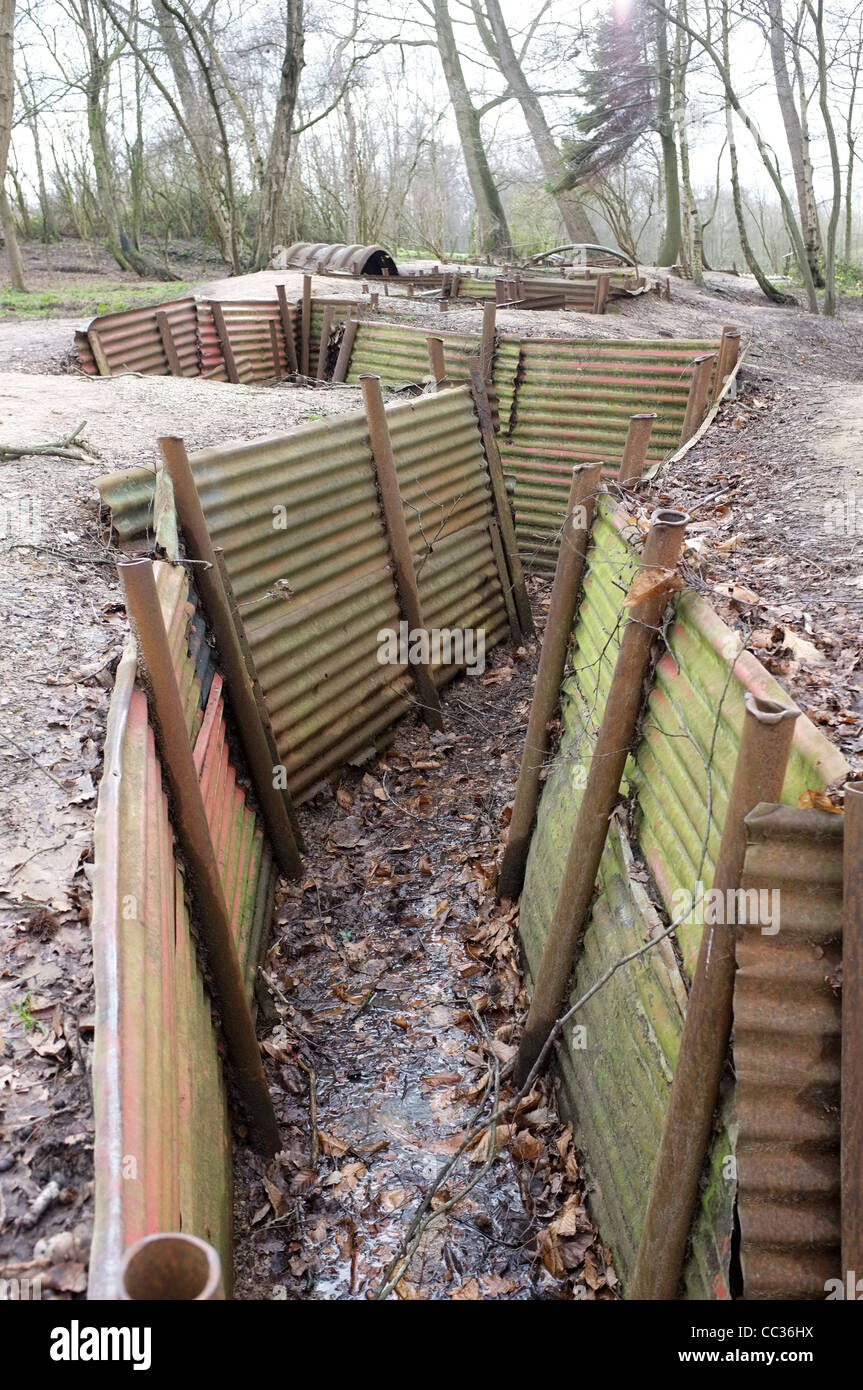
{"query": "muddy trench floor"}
(393, 980)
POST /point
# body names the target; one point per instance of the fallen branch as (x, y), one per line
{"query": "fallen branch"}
(74, 446)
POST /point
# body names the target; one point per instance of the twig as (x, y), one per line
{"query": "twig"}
(313, 1112)
(25, 754)
(72, 447)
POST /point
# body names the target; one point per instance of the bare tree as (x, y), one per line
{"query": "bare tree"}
(498, 43)
(7, 102)
(492, 229)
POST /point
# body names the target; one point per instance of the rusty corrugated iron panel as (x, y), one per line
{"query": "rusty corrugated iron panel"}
(298, 519)
(248, 325)
(338, 258)
(573, 401)
(399, 354)
(444, 481)
(162, 1136)
(787, 1035)
(341, 309)
(691, 684)
(618, 1083)
(210, 354)
(132, 342)
(162, 1146)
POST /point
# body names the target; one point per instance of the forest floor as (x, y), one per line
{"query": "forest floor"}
(776, 496)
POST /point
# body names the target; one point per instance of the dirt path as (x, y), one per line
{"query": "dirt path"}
(396, 979)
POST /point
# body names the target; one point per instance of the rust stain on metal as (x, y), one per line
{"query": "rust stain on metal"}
(131, 341)
(787, 1030)
(162, 1154)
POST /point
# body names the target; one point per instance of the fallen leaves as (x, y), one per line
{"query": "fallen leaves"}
(652, 583)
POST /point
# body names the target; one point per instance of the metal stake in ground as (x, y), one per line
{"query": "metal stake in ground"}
(661, 553)
(696, 404)
(852, 1033)
(564, 598)
(306, 324)
(500, 499)
(189, 820)
(635, 448)
(199, 546)
(400, 545)
(768, 732)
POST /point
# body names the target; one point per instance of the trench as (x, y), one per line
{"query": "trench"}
(393, 979)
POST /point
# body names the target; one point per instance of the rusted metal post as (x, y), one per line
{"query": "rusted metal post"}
(482, 406)
(437, 362)
(400, 546)
(163, 323)
(635, 448)
(696, 404)
(852, 1034)
(274, 803)
(373, 299)
(102, 363)
(171, 1267)
(603, 283)
(552, 659)
(410, 289)
(225, 341)
(260, 703)
(661, 552)
(729, 351)
(210, 912)
(385, 273)
(500, 290)
(505, 583)
(768, 732)
(274, 348)
(306, 324)
(486, 343)
(346, 347)
(324, 344)
(287, 316)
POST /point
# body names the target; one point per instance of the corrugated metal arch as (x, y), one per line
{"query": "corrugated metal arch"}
(337, 256)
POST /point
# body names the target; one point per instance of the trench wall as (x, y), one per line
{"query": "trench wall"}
(617, 1074)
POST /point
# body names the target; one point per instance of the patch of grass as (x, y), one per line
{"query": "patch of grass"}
(22, 1011)
(87, 299)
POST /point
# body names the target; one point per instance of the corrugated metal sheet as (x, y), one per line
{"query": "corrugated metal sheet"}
(572, 405)
(341, 309)
(787, 1035)
(248, 326)
(444, 481)
(211, 356)
(298, 518)
(617, 1080)
(131, 340)
(163, 1151)
(399, 354)
(338, 258)
(683, 710)
(313, 589)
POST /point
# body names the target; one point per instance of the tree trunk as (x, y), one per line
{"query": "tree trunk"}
(279, 154)
(493, 233)
(670, 245)
(767, 286)
(7, 101)
(817, 17)
(797, 135)
(575, 219)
